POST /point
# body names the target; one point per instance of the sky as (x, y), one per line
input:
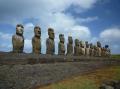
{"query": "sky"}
(86, 20)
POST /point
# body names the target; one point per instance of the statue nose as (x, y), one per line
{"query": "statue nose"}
(39, 32)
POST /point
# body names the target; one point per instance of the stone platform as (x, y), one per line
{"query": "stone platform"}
(29, 71)
(29, 58)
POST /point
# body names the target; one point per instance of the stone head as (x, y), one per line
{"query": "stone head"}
(98, 44)
(70, 40)
(87, 45)
(76, 42)
(19, 29)
(106, 46)
(91, 45)
(51, 33)
(37, 31)
(82, 44)
(61, 37)
(95, 47)
(103, 48)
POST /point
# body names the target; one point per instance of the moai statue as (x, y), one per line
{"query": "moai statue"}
(50, 45)
(103, 51)
(61, 46)
(91, 51)
(36, 40)
(87, 53)
(107, 51)
(76, 48)
(98, 49)
(95, 50)
(70, 46)
(82, 48)
(18, 39)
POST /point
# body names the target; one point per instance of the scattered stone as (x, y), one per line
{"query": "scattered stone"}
(110, 85)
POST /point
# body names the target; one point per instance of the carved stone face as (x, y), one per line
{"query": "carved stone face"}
(87, 45)
(91, 46)
(76, 42)
(51, 33)
(82, 44)
(95, 47)
(61, 37)
(98, 44)
(70, 40)
(19, 29)
(37, 31)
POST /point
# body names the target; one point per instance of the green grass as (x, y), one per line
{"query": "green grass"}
(88, 81)
(117, 75)
(116, 56)
(76, 84)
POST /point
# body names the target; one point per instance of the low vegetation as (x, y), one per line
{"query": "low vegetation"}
(116, 56)
(88, 81)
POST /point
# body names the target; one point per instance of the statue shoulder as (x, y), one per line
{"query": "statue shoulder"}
(13, 36)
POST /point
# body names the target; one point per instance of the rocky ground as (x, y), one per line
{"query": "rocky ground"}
(30, 76)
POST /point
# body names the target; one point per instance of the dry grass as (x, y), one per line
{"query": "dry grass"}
(87, 81)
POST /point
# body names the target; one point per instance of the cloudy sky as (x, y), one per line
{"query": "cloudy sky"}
(87, 20)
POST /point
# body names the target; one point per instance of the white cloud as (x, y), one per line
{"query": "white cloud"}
(5, 41)
(111, 36)
(67, 25)
(81, 32)
(86, 20)
(28, 30)
(85, 3)
(17, 10)
(94, 40)
(50, 13)
(28, 45)
(5, 36)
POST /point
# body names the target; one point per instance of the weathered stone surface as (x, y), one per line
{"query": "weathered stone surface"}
(103, 51)
(36, 40)
(50, 45)
(61, 46)
(98, 49)
(91, 49)
(30, 58)
(18, 39)
(107, 51)
(31, 76)
(82, 48)
(77, 48)
(95, 50)
(112, 84)
(70, 46)
(87, 49)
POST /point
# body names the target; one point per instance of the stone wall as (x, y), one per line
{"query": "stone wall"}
(31, 76)
(30, 58)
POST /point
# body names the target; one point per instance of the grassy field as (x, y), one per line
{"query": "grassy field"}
(87, 81)
(116, 56)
